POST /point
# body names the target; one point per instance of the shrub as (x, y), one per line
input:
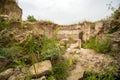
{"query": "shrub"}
(46, 48)
(50, 49)
(3, 24)
(115, 23)
(60, 70)
(31, 19)
(9, 52)
(51, 78)
(99, 45)
(116, 14)
(32, 45)
(99, 76)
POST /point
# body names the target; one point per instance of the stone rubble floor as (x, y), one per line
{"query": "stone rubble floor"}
(87, 60)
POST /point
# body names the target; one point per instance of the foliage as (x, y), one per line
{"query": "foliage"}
(99, 45)
(31, 45)
(44, 47)
(3, 24)
(50, 49)
(60, 70)
(9, 52)
(99, 76)
(71, 39)
(21, 63)
(50, 78)
(115, 23)
(116, 14)
(31, 19)
(108, 74)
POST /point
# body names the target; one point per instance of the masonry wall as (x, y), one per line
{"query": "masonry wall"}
(11, 8)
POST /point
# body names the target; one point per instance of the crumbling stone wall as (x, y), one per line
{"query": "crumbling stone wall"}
(10, 8)
(81, 31)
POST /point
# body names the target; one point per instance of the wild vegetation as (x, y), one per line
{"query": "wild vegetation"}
(31, 19)
(98, 44)
(32, 48)
(115, 24)
(3, 24)
(104, 45)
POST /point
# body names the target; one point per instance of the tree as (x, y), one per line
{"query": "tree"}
(31, 19)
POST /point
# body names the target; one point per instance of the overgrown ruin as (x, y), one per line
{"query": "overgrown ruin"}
(11, 9)
(55, 50)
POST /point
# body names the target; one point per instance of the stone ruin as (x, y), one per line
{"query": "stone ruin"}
(9, 9)
(80, 31)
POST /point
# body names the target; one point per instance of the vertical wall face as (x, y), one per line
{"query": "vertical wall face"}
(70, 31)
(98, 26)
(11, 8)
(63, 34)
(86, 31)
(41, 29)
(82, 31)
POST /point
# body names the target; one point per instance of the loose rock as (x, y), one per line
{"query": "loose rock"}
(40, 69)
(6, 74)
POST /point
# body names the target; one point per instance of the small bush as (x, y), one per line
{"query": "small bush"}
(51, 78)
(50, 49)
(31, 19)
(60, 70)
(9, 52)
(46, 48)
(115, 23)
(99, 76)
(116, 14)
(3, 24)
(32, 45)
(99, 45)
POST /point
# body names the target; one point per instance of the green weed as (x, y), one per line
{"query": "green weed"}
(31, 19)
(99, 76)
(10, 52)
(99, 45)
(3, 24)
(60, 70)
(50, 49)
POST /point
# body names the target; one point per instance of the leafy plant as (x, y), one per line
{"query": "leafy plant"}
(116, 14)
(51, 78)
(99, 76)
(21, 63)
(115, 23)
(50, 49)
(44, 47)
(31, 45)
(9, 52)
(60, 70)
(31, 19)
(99, 45)
(3, 24)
